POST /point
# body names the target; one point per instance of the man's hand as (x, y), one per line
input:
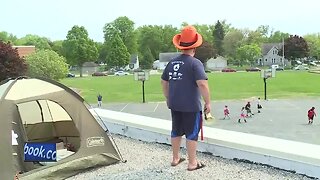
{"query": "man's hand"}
(207, 108)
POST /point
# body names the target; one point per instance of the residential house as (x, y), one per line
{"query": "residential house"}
(216, 64)
(24, 50)
(270, 55)
(89, 68)
(156, 64)
(134, 63)
(164, 58)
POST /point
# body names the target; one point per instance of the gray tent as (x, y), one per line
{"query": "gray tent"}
(41, 110)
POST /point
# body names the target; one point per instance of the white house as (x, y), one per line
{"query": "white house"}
(156, 64)
(216, 63)
(134, 63)
(164, 58)
(270, 55)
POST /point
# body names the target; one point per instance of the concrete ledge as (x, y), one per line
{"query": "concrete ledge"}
(302, 158)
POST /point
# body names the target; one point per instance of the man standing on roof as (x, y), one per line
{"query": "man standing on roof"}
(183, 82)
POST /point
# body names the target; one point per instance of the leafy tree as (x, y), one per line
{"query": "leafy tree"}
(103, 51)
(231, 42)
(48, 64)
(218, 36)
(6, 37)
(150, 37)
(205, 52)
(79, 48)
(167, 33)
(313, 41)
(248, 53)
(295, 47)
(206, 32)
(147, 59)
(34, 40)
(124, 27)
(277, 37)
(11, 65)
(118, 55)
(57, 47)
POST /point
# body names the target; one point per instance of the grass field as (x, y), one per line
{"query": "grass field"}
(240, 85)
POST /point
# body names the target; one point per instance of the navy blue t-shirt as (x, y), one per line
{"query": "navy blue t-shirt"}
(182, 73)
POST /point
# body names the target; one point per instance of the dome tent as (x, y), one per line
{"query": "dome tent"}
(42, 110)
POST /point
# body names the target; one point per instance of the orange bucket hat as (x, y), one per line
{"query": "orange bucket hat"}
(187, 39)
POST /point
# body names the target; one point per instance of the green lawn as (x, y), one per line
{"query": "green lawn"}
(238, 85)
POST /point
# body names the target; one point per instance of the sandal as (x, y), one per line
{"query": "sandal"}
(199, 166)
(180, 161)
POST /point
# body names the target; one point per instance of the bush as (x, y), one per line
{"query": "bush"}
(47, 64)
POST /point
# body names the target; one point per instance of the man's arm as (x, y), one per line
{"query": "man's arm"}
(204, 90)
(165, 88)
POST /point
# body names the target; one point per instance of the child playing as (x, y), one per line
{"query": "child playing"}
(242, 115)
(226, 112)
(99, 100)
(259, 105)
(311, 114)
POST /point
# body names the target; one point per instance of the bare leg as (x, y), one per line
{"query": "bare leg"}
(176, 142)
(192, 153)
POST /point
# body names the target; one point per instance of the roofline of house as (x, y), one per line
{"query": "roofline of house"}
(24, 46)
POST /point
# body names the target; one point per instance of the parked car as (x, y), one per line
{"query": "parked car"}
(279, 69)
(301, 67)
(228, 70)
(70, 75)
(253, 69)
(121, 73)
(99, 74)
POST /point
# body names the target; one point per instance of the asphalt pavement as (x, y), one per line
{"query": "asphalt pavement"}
(280, 118)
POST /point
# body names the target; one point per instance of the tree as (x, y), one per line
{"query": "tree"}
(218, 36)
(11, 65)
(205, 52)
(34, 40)
(205, 31)
(79, 48)
(231, 42)
(118, 55)
(57, 47)
(151, 37)
(6, 37)
(313, 41)
(147, 59)
(47, 64)
(295, 47)
(167, 33)
(124, 27)
(278, 37)
(248, 53)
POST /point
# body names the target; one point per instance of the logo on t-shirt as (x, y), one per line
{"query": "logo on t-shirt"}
(175, 74)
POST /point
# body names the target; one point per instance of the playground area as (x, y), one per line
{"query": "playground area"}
(280, 118)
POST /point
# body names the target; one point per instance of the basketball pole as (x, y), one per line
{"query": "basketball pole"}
(265, 88)
(143, 97)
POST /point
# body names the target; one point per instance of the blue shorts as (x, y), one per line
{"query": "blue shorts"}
(186, 123)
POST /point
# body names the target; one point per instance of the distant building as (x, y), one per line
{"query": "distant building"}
(156, 64)
(134, 63)
(164, 58)
(270, 55)
(89, 68)
(24, 50)
(216, 64)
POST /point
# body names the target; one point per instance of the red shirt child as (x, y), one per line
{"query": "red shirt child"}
(311, 114)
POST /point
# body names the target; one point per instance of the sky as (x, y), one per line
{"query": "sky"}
(54, 18)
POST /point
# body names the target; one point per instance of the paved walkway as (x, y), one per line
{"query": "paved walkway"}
(282, 118)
